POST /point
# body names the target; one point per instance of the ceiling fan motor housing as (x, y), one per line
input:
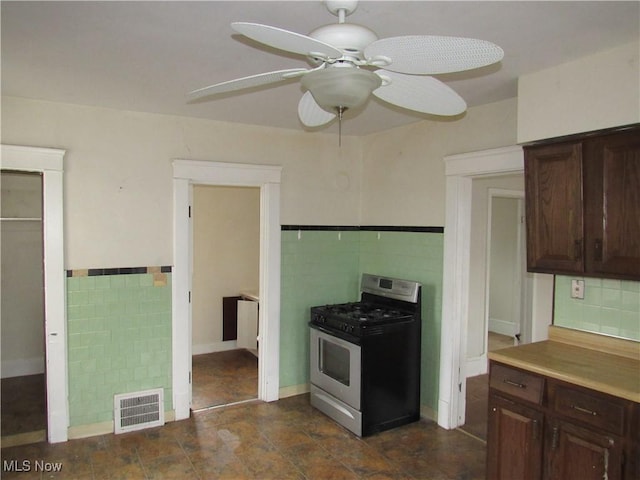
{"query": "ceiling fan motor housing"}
(348, 37)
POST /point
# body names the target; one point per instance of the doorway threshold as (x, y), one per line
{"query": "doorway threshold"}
(217, 407)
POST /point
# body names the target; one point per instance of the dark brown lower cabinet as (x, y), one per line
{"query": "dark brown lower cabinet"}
(582, 454)
(542, 428)
(517, 433)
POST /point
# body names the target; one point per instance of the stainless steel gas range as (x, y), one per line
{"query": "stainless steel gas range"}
(365, 356)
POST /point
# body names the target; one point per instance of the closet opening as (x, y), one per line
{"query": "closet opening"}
(23, 382)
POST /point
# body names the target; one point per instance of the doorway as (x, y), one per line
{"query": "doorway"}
(496, 266)
(508, 283)
(23, 356)
(461, 171)
(501, 277)
(48, 163)
(187, 173)
(225, 300)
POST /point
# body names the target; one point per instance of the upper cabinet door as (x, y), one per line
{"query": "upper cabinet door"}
(553, 184)
(612, 205)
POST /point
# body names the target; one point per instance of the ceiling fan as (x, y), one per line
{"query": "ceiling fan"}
(350, 63)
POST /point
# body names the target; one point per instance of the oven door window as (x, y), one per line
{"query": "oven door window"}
(334, 361)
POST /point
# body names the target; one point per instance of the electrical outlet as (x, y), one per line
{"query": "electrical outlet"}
(577, 289)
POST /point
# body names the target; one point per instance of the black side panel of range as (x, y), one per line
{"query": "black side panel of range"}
(391, 377)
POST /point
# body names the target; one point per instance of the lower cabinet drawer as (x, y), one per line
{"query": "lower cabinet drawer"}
(517, 383)
(591, 408)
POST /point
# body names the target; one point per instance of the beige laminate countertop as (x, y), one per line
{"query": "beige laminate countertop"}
(587, 364)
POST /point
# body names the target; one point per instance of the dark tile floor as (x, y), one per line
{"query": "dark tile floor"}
(218, 379)
(223, 377)
(475, 421)
(287, 439)
(477, 398)
(23, 404)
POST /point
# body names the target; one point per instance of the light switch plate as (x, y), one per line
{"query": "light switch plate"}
(577, 289)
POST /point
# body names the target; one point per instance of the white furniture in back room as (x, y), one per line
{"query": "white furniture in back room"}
(248, 322)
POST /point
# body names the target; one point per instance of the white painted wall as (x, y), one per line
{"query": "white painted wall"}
(22, 275)
(591, 93)
(118, 163)
(226, 242)
(403, 169)
(118, 176)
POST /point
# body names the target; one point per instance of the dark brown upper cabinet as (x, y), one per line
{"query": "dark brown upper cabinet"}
(583, 205)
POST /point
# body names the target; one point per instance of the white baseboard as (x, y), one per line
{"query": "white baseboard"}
(214, 347)
(503, 327)
(22, 367)
(476, 366)
(90, 430)
(293, 390)
(428, 413)
(102, 428)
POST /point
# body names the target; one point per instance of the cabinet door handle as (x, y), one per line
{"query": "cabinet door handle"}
(514, 384)
(577, 253)
(584, 410)
(555, 438)
(597, 250)
(536, 430)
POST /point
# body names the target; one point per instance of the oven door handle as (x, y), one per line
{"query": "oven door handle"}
(339, 335)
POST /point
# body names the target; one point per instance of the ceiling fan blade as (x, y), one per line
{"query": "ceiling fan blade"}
(419, 93)
(431, 54)
(248, 82)
(310, 113)
(286, 40)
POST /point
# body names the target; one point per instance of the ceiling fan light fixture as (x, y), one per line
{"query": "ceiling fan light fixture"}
(335, 88)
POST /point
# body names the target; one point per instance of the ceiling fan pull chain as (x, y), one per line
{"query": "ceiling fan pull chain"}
(340, 112)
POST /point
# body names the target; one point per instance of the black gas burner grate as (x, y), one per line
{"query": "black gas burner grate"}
(362, 312)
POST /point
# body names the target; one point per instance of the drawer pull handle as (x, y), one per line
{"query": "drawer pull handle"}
(584, 410)
(514, 384)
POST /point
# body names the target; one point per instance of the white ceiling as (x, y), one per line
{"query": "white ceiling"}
(145, 56)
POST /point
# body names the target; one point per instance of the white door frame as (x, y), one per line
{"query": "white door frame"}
(187, 173)
(49, 162)
(460, 171)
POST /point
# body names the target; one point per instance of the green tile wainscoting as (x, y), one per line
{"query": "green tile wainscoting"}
(119, 320)
(119, 338)
(610, 307)
(324, 267)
